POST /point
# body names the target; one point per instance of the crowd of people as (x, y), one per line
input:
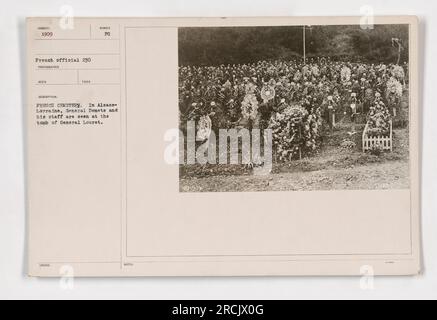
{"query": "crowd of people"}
(318, 91)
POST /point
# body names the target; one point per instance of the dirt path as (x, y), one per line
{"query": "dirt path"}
(391, 175)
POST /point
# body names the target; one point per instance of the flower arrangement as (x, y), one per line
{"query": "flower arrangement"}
(306, 71)
(297, 76)
(345, 74)
(394, 87)
(361, 70)
(376, 149)
(398, 73)
(267, 93)
(288, 129)
(235, 92)
(204, 126)
(368, 95)
(249, 107)
(378, 120)
(250, 88)
(227, 85)
(315, 70)
(382, 68)
(348, 144)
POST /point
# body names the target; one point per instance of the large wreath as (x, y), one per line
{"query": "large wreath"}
(394, 87)
(268, 93)
(379, 120)
(287, 132)
(399, 73)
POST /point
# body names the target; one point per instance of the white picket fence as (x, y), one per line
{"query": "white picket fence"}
(385, 142)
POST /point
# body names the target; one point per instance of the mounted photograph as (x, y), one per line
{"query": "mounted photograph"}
(294, 108)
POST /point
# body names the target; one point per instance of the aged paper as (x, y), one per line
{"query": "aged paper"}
(118, 109)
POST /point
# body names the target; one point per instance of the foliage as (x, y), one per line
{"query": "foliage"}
(394, 91)
(348, 144)
(345, 74)
(272, 94)
(379, 119)
(249, 107)
(398, 73)
(287, 127)
(394, 87)
(268, 93)
(203, 128)
(236, 45)
(376, 149)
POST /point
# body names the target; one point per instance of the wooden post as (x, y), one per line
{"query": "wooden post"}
(391, 136)
(300, 138)
(304, 46)
(399, 54)
(364, 137)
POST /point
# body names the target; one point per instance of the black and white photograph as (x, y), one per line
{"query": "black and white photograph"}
(294, 108)
(218, 155)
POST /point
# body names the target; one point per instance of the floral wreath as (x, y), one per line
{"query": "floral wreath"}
(204, 128)
(268, 93)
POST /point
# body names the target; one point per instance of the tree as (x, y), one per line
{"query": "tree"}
(229, 45)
